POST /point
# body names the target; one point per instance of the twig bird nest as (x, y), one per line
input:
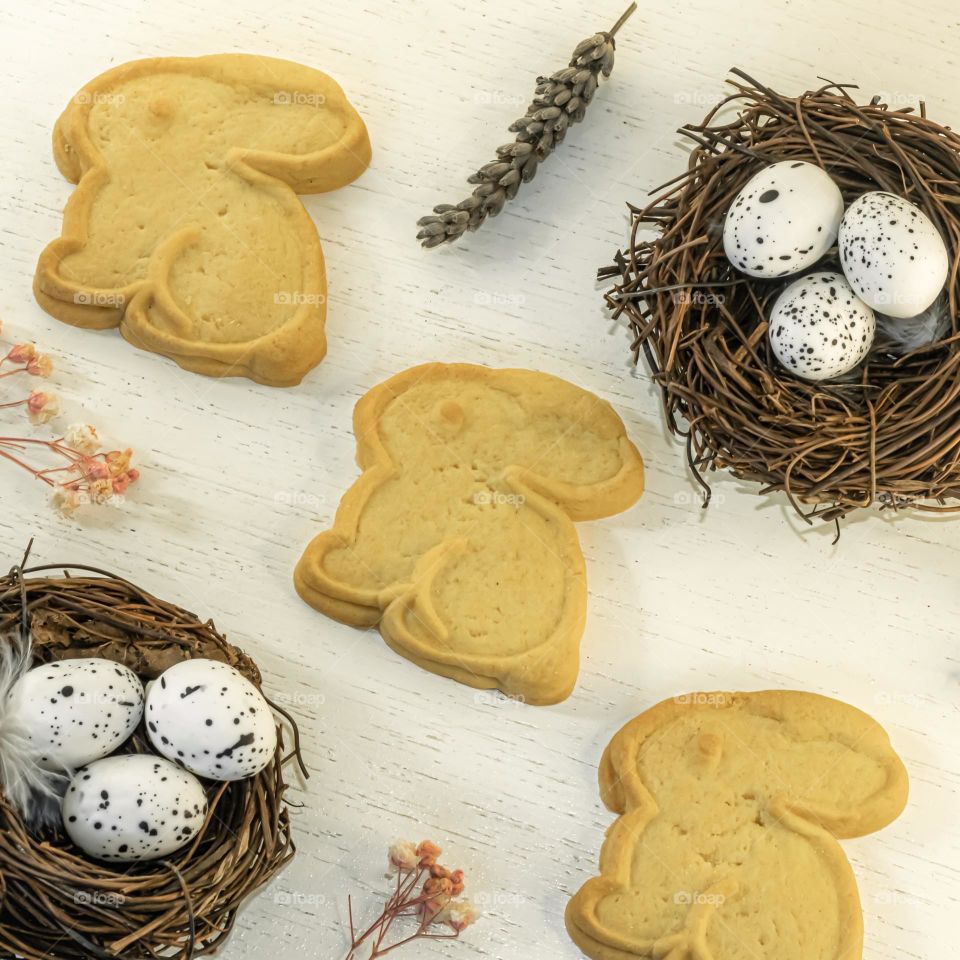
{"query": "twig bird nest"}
(57, 903)
(888, 435)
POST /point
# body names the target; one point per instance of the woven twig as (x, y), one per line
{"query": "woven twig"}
(559, 101)
(891, 436)
(56, 903)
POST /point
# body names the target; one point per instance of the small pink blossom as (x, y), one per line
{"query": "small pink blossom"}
(66, 500)
(42, 407)
(118, 461)
(93, 468)
(40, 365)
(403, 855)
(21, 353)
(82, 437)
(100, 490)
(460, 914)
(428, 852)
(122, 483)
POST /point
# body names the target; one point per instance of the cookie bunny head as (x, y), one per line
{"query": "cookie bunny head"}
(185, 228)
(458, 539)
(726, 846)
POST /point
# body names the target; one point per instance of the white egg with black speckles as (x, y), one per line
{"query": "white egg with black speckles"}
(783, 221)
(208, 717)
(819, 328)
(77, 710)
(133, 807)
(892, 254)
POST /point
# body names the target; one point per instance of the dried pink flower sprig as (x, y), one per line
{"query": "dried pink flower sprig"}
(41, 405)
(86, 477)
(80, 473)
(26, 359)
(426, 894)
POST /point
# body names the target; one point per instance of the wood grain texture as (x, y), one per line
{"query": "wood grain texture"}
(237, 477)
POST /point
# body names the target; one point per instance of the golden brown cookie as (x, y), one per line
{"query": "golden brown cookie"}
(185, 229)
(726, 847)
(458, 539)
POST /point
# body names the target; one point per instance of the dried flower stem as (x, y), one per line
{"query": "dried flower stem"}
(54, 446)
(559, 101)
(92, 477)
(401, 904)
(426, 892)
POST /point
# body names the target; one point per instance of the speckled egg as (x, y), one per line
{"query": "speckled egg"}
(133, 807)
(76, 711)
(892, 254)
(819, 328)
(209, 718)
(783, 221)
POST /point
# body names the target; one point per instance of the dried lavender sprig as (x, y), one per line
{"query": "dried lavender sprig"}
(559, 101)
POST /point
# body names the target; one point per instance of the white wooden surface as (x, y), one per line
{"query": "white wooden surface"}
(238, 477)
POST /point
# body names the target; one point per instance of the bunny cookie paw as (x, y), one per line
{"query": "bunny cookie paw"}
(458, 539)
(731, 805)
(185, 229)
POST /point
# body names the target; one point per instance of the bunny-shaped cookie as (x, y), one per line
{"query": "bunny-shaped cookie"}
(185, 229)
(726, 848)
(458, 538)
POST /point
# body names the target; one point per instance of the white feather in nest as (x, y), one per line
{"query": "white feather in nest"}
(33, 791)
(899, 336)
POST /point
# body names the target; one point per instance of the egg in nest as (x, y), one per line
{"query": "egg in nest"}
(892, 254)
(819, 328)
(77, 710)
(783, 221)
(207, 717)
(133, 807)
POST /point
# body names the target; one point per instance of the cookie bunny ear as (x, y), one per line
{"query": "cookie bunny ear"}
(823, 760)
(300, 129)
(856, 785)
(583, 459)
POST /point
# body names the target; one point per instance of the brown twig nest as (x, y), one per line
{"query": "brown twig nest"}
(54, 901)
(889, 435)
